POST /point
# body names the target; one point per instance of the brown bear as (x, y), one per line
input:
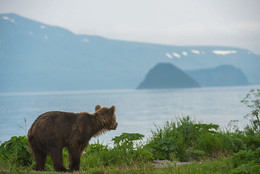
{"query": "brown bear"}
(52, 131)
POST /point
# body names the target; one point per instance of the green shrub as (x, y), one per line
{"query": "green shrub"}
(196, 154)
(247, 168)
(125, 152)
(252, 100)
(96, 155)
(184, 138)
(208, 142)
(231, 142)
(246, 156)
(173, 139)
(252, 141)
(16, 151)
(246, 161)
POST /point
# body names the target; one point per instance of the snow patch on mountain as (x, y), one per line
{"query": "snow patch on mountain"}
(168, 55)
(42, 26)
(224, 52)
(176, 55)
(184, 53)
(195, 51)
(46, 37)
(85, 40)
(8, 19)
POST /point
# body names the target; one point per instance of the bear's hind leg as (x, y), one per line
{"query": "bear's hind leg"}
(40, 159)
(56, 157)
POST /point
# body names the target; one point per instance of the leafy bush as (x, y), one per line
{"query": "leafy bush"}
(232, 142)
(127, 151)
(208, 142)
(196, 154)
(16, 151)
(244, 156)
(124, 152)
(246, 161)
(186, 140)
(96, 155)
(174, 138)
(252, 100)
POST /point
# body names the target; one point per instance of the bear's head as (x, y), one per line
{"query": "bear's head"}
(112, 115)
(107, 117)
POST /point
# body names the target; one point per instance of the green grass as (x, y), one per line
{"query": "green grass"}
(182, 140)
(174, 143)
(187, 140)
(222, 166)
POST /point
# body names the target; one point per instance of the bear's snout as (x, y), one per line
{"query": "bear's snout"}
(114, 128)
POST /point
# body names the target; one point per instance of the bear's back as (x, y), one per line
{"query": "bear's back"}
(55, 123)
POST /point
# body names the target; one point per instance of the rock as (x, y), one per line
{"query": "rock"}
(167, 163)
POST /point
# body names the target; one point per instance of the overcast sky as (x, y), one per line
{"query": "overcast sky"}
(183, 22)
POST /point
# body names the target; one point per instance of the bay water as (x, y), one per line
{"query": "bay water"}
(137, 111)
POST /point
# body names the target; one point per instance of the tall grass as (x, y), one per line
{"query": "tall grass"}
(187, 140)
(125, 152)
(182, 140)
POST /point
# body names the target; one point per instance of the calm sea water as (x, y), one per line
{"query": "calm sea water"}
(137, 110)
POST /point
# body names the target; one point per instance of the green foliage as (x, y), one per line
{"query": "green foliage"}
(173, 139)
(125, 152)
(252, 100)
(185, 138)
(97, 155)
(246, 161)
(246, 168)
(126, 139)
(16, 151)
(128, 152)
(196, 154)
(244, 156)
(208, 142)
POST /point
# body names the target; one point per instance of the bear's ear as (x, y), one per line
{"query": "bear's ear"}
(112, 110)
(97, 107)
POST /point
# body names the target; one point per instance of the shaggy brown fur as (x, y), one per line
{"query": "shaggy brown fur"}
(52, 131)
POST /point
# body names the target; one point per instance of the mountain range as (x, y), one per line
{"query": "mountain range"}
(224, 75)
(38, 57)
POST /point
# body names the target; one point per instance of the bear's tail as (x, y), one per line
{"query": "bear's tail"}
(29, 135)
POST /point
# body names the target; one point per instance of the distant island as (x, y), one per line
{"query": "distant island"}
(224, 75)
(166, 75)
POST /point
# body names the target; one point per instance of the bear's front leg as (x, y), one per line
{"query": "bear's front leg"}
(74, 158)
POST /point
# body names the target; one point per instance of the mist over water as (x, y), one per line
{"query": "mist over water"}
(136, 110)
